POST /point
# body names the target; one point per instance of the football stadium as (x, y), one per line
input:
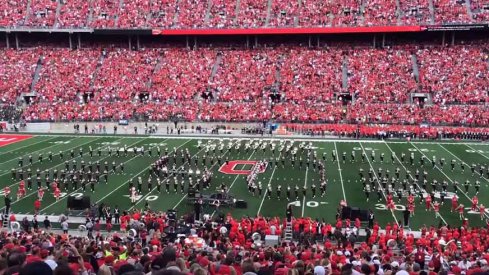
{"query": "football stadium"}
(244, 137)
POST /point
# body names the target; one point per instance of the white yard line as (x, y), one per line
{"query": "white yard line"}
(378, 181)
(339, 170)
(477, 151)
(419, 187)
(266, 189)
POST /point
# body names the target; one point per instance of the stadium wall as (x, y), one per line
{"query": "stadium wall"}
(279, 129)
(46, 127)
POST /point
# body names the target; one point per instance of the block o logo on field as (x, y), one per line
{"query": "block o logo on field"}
(231, 167)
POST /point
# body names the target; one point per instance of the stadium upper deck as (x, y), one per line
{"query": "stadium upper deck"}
(236, 14)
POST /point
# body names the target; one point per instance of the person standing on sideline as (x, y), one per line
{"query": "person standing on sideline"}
(65, 226)
(288, 213)
(47, 223)
(371, 218)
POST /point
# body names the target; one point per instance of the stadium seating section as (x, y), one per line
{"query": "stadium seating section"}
(210, 84)
(230, 248)
(185, 14)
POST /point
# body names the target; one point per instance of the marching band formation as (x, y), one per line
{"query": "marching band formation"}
(176, 171)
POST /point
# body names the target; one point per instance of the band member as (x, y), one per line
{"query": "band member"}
(482, 211)
(133, 195)
(436, 208)
(367, 191)
(57, 193)
(477, 186)
(40, 193)
(323, 188)
(21, 190)
(460, 209)
(37, 206)
(427, 200)
(150, 184)
(167, 185)
(92, 184)
(475, 202)
(182, 186)
(411, 209)
(158, 185)
(140, 185)
(313, 190)
(454, 203)
(6, 191)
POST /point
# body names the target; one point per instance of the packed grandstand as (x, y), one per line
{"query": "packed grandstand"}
(71, 61)
(187, 14)
(261, 84)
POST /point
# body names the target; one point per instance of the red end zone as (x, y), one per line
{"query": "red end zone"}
(9, 139)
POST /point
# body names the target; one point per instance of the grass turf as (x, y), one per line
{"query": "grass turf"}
(343, 179)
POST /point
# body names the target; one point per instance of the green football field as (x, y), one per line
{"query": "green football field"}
(343, 180)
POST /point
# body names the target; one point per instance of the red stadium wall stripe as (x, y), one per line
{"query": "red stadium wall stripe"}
(9, 139)
(335, 30)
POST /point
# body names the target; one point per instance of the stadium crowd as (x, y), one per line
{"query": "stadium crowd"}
(236, 14)
(237, 85)
(393, 85)
(16, 70)
(445, 74)
(480, 10)
(222, 14)
(414, 12)
(228, 246)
